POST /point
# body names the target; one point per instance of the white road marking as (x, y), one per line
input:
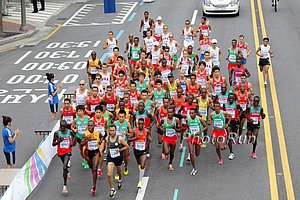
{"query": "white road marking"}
(194, 17)
(22, 58)
(74, 15)
(141, 193)
(128, 13)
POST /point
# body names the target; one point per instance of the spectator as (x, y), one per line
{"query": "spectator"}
(52, 95)
(9, 140)
(35, 7)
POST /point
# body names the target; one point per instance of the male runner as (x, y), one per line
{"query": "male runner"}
(67, 113)
(263, 52)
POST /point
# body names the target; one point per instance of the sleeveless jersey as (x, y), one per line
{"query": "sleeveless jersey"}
(68, 115)
(170, 131)
(64, 146)
(218, 120)
(81, 126)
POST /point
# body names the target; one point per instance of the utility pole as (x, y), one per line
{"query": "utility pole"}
(1, 21)
(23, 26)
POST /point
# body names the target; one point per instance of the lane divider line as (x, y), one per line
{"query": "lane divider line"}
(194, 17)
(131, 17)
(119, 34)
(182, 157)
(23, 57)
(282, 145)
(175, 195)
(142, 3)
(141, 192)
(267, 131)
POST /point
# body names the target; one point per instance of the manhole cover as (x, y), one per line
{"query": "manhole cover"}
(62, 18)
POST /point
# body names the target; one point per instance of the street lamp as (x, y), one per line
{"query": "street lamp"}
(23, 26)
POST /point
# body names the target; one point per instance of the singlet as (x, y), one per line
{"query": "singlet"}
(105, 78)
(139, 87)
(172, 89)
(195, 126)
(173, 48)
(232, 55)
(64, 146)
(100, 125)
(158, 29)
(148, 105)
(218, 120)
(254, 115)
(81, 126)
(100, 88)
(217, 85)
(222, 98)
(93, 103)
(237, 73)
(168, 58)
(144, 116)
(135, 56)
(205, 45)
(80, 98)
(201, 78)
(120, 86)
(93, 64)
(264, 50)
(93, 144)
(208, 67)
(113, 147)
(111, 45)
(243, 48)
(111, 102)
(242, 100)
(231, 109)
(170, 131)
(147, 74)
(146, 24)
(127, 114)
(203, 107)
(192, 90)
(118, 69)
(140, 143)
(155, 56)
(215, 53)
(178, 102)
(187, 108)
(186, 37)
(165, 39)
(185, 64)
(122, 130)
(68, 115)
(134, 97)
(204, 29)
(149, 42)
(247, 88)
(158, 97)
(165, 71)
(106, 116)
(163, 113)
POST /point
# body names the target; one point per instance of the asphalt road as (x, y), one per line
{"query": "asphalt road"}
(241, 178)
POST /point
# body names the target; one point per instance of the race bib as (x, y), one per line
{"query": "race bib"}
(81, 129)
(172, 94)
(110, 107)
(120, 92)
(218, 89)
(222, 101)
(238, 79)
(94, 70)
(255, 120)
(135, 55)
(114, 153)
(68, 119)
(159, 102)
(203, 112)
(170, 132)
(141, 146)
(194, 129)
(93, 108)
(65, 144)
(121, 133)
(243, 106)
(218, 123)
(92, 145)
(232, 58)
(231, 112)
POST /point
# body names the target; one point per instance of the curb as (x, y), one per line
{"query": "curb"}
(18, 37)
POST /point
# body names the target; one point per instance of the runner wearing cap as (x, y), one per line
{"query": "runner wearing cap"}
(158, 28)
(155, 54)
(215, 53)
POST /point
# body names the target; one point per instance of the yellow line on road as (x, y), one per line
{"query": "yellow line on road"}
(282, 146)
(8, 49)
(54, 31)
(267, 131)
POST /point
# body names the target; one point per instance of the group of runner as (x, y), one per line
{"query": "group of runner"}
(135, 96)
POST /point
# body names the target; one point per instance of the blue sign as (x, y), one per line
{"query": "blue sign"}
(109, 6)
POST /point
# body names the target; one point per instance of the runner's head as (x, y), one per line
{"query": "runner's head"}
(214, 43)
(146, 14)
(193, 78)
(116, 51)
(144, 95)
(202, 65)
(170, 113)
(166, 29)
(203, 92)
(164, 63)
(121, 115)
(231, 98)
(110, 34)
(121, 75)
(158, 83)
(104, 67)
(179, 91)
(103, 103)
(82, 84)
(242, 87)
(216, 72)
(233, 42)
(165, 102)
(223, 88)
(239, 62)
(205, 37)
(187, 23)
(171, 36)
(95, 90)
(256, 100)
(98, 78)
(167, 50)
(157, 74)
(112, 130)
(182, 73)
(98, 111)
(141, 123)
(130, 37)
(91, 126)
(50, 77)
(6, 120)
(190, 49)
(122, 104)
(120, 60)
(241, 38)
(109, 89)
(206, 55)
(63, 125)
(185, 53)
(203, 20)
(243, 78)
(190, 99)
(171, 78)
(149, 33)
(67, 103)
(132, 86)
(136, 41)
(217, 106)
(143, 64)
(141, 106)
(193, 112)
(266, 41)
(80, 110)
(94, 55)
(143, 55)
(142, 76)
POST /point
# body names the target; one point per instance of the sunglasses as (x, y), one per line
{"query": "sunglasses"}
(81, 84)
(98, 78)
(166, 51)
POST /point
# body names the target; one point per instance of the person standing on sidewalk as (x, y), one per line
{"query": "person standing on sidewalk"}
(35, 7)
(9, 139)
(52, 95)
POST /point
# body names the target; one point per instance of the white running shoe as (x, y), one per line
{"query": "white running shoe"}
(188, 159)
(231, 156)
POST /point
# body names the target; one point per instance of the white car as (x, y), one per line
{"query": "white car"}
(221, 7)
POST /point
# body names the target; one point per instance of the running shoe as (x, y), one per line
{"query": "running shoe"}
(254, 156)
(112, 193)
(203, 145)
(171, 167)
(99, 173)
(117, 176)
(220, 161)
(163, 156)
(194, 172)
(69, 164)
(188, 159)
(86, 165)
(181, 147)
(148, 155)
(265, 83)
(69, 176)
(83, 163)
(120, 184)
(93, 190)
(125, 171)
(139, 185)
(65, 189)
(139, 167)
(231, 156)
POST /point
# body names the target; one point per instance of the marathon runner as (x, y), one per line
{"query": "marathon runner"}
(92, 101)
(233, 53)
(80, 94)
(107, 78)
(119, 66)
(179, 100)
(129, 43)
(64, 139)
(110, 43)
(174, 47)
(237, 71)
(146, 24)
(172, 86)
(215, 53)
(111, 99)
(188, 34)
(263, 52)
(216, 81)
(115, 146)
(244, 47)
(185, 63)
(67, 113)
(201, 75)
(160, 113)
(204, 45)
(158, 28)
(121, 84)
(149, 43)
(135, 51)
(93, 67)
(203, 28)
(182, 81)
(100, 85)
(248, 85)
(196, 127)
(223, 95)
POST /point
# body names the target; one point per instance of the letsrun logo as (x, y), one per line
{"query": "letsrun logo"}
(35, 169)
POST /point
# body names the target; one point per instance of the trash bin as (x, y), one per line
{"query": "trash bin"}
(109, 6)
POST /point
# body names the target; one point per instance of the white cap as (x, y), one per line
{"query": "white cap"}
(159, 18)
(156, 43)
(214, 41)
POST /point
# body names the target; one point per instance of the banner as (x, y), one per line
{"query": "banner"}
(33, 171)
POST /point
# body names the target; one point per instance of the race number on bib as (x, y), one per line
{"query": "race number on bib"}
(65, 144)
(254, 120)
(203, 112)
(81, 129)
(170, 132)
(141, 146)
(114, 153)
(244, 106)
(92, 145)
(231, 112)
(100, 130)
(110, 107)
(68, 119)
(218, 123)
(194, 129)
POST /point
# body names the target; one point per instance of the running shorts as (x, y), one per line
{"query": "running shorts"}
(62, 157)
(170, 140)
(263, 62)
(219, 133)
(231, 65)
(234, 124)
(92, 153)
(10, 157)
(195, 140)
(54, 108)
(138, 153)
(251, 127)
(132, 62)
(117, 161)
